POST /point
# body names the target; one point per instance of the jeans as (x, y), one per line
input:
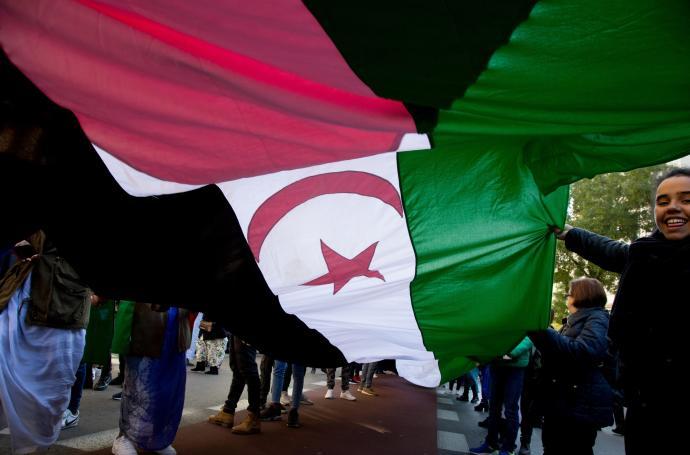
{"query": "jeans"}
(77, 389)
(279, 369)
(469, 381)
(287, 377)
(298, 372)
(506, 388)
(368, 370)
(485, 374)
(344, 376)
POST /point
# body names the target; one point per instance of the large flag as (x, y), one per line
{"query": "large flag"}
(325, 239)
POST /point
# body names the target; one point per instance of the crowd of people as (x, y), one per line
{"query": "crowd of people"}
(570, 381)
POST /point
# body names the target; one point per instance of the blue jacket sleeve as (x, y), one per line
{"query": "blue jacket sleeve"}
(589, 347)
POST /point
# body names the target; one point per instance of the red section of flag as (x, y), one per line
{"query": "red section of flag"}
(151, 87)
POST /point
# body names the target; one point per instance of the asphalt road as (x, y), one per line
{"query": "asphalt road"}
(434, 419)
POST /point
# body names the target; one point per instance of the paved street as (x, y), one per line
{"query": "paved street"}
(404, 419)
(458, 429)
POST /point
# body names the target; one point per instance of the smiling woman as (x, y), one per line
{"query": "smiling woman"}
(672, 208)
(639, 330)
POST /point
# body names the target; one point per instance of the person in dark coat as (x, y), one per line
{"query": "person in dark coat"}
(577, 398)
(653, 271)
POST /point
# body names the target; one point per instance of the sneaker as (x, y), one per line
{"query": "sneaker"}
(329, 394)
(355, 379)
(484, 448)
(293, 419)
(69, 420)
(524, 450)
(170, 450)
(103, 382)
(119, 379)
(305, 401)
(117, 396)
(271, 413)
(346, 395)
(285, 399)
(369, 391)
(123, 446)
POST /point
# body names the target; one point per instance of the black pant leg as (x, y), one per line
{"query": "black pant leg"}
(238, 380)
(266, 373)
(246, 357)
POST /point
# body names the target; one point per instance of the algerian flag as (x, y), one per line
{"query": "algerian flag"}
(333, 244)
(433, 257)
(404, 255)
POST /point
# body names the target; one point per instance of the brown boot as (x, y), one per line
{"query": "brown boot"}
(250, 425)
(224, 419)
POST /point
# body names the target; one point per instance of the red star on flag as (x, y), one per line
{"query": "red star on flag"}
(341, 269)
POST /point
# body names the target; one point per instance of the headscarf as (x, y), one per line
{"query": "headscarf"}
(16, 275)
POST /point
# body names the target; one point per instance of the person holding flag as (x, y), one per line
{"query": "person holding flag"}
(653, 271)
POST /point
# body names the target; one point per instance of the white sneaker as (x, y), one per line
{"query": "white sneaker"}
(329, 394)
(285, 399)
(69, 420)
(346, 395)
(123, 446)
(170, 450)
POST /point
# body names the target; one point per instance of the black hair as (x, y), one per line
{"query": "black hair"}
(679, 171)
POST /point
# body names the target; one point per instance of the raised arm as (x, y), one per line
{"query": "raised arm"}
(608, 254)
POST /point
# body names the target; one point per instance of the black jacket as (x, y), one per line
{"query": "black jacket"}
(148, 330)
(650, 297)
(574, 385)
(58, 296)
(217, 331)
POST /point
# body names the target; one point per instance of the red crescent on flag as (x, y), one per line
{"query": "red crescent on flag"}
(278, 205)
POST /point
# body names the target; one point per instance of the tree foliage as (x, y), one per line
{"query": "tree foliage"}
(617, 205)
